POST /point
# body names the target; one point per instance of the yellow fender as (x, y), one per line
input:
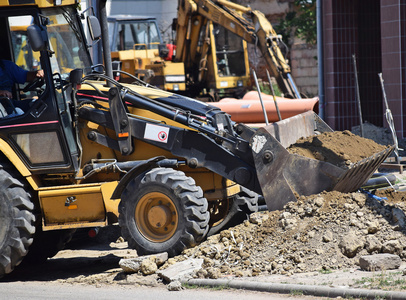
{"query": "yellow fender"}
(9, 152)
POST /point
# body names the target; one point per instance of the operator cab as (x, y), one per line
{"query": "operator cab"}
(128, 32)
(42, 132)
(13, 31)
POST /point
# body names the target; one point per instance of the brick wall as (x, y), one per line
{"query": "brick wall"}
(393, 28)
(351, 27)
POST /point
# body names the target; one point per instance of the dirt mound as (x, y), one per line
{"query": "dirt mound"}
(330, 230)
(340, 148)
(325, 231)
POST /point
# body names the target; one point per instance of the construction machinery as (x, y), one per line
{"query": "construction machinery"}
(211, 54)
(211, 39)
(136, 44)
(89, 151)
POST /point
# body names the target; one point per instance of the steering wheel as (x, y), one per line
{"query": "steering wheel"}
(33, 85)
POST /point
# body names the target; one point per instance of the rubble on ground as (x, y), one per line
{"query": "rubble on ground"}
(327, 231)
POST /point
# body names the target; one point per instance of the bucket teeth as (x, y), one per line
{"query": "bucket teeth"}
(360, 172)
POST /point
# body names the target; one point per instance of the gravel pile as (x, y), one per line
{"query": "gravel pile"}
(325, 231)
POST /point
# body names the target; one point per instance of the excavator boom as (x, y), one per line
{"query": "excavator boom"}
(250, 25)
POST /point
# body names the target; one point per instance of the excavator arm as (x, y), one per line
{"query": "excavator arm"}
(255, 30)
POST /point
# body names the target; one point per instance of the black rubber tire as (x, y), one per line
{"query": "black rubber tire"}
(47, 244)
(17, 222)
(243, 204)
(191, 216)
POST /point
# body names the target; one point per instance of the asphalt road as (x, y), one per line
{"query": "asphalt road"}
(33, 290)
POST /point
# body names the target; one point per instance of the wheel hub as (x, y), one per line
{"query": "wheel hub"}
(159, 216)
(156, 217)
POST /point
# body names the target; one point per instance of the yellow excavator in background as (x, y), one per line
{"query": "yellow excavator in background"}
(211, 42)
(210, 51)
(136, 44)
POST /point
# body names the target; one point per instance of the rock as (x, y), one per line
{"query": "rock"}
(130, 265)
(351, 244)
(133, 265)
(392, 246)
(379, 262)
(373, 226)
(287, 221)
(399, 217)
(148, 267)
(213, 273)
(359, 199)
(181, 270)
(136, 279)
(327, 237)
(175, 286)
(312, 233)
(257, 218)
(319, 201)
(372, 244)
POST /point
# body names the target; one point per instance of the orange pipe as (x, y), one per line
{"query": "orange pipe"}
(249, 109)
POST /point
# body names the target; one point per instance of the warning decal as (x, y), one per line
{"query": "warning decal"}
(156, 133)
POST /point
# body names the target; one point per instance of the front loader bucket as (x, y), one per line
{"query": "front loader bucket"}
(282, 175)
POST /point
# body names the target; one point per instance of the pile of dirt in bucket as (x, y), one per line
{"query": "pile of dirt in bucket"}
(340, 148)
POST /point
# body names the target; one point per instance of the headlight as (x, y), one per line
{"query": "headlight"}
(239, 83)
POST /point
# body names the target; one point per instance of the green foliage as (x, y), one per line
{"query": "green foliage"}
(325, 271)
(265, 88)
(384, 281)
(300, 23)
(296, 293)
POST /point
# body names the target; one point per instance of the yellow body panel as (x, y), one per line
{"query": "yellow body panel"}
(167, 72)
(72, 204)
(14, 159)
(107, 190)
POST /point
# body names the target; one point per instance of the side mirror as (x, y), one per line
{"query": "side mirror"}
(94, 27)
(174, 24)
(116, 69)
(75, 77)
(37, 37)
(163, 51)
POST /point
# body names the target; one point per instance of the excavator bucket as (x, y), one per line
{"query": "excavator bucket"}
(282, 174)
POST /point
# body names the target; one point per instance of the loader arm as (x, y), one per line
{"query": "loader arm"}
(257, 160)
(255, 30)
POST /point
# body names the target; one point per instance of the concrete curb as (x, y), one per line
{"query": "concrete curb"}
(313, 290)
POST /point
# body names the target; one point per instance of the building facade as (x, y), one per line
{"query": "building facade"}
(373, 32)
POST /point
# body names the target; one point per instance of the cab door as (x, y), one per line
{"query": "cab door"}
(37, 123)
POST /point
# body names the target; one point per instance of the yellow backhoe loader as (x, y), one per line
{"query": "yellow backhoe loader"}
(89, 151)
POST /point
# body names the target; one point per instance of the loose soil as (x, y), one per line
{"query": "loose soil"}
(340, 148)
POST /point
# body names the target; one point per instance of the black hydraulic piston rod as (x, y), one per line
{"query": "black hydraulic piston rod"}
(172, 113)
